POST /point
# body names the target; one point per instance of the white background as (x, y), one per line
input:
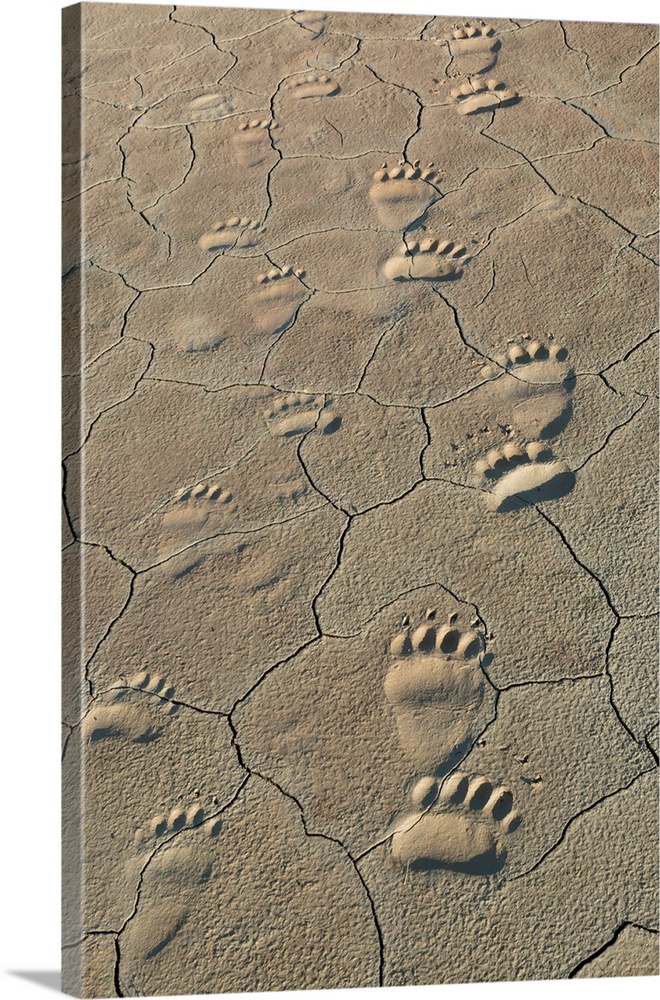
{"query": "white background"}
(30, 690)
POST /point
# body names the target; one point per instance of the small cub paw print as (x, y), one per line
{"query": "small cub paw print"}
(437, 689)
(298, 413)
(401, 194)
(311, 20)
(236, 232)
(462, 825)
(472, 38)
(538, 395)
(118, 714)
(215, 105)
(427, 260)
(473, 49)
(312, 85)
(194, 513)
(523, 474)
(479, 95)
(279, 294)
(252, 145)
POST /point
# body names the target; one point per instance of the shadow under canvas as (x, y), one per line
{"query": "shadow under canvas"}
(49, 979)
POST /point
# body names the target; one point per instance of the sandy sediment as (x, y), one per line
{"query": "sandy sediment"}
(358, 509)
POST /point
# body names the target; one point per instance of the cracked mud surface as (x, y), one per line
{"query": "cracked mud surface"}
(358, 483)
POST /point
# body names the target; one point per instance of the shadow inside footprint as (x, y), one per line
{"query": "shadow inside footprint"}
(110, 732)
(161, 929)
(488, 863)
(189, 566)
(453, 758)
(464, 824)
(559, 424)
(560, 485)
(438, 693)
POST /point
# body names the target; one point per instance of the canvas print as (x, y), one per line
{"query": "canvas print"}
(359, 499)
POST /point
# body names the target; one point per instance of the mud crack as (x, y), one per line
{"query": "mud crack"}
(610, 941)
(572, 820)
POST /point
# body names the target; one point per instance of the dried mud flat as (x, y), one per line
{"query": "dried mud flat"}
(360, 501)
